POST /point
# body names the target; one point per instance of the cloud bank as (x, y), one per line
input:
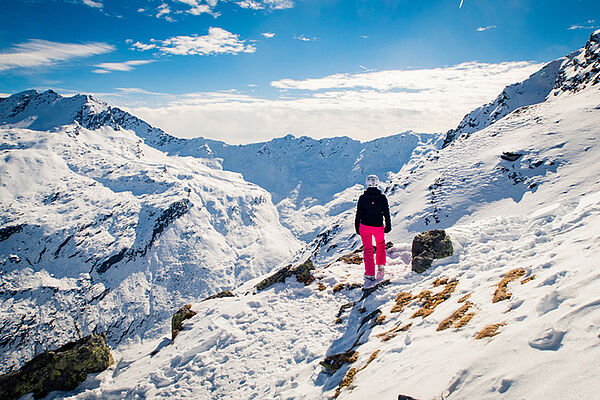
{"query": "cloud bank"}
(39, 53)
(105, 68)
(218, 41)
(363, 105)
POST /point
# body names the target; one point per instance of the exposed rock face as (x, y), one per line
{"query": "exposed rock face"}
(582, 69)
(428, 246)
(181, 315)
(220, 295)
(301, 271)
(61, 369)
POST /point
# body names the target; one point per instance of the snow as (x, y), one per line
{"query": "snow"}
(269, 344)
(520, 191)
(149, 231)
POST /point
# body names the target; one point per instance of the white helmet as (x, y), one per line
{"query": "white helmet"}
(372, 181)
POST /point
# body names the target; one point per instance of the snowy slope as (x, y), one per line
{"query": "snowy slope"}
(302, 174)
(533, 90)
(569, 74)
(523, 193)
(100, 232)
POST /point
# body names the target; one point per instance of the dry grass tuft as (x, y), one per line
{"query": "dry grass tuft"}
(351, 258)
(349, 286)
(392, 333)
(529, 278)
(502, 292)
(440, 281)
(351, 374)
(464, 320)
(465, 297)
(489, 331)
(430, 302)
(380, 319)
(402, 300)
(456, 317)
(321, 287)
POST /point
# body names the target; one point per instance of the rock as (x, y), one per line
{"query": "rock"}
(334, 362)
(510, 156)
(220, 295)
(404, 397)
(184, 313)
(61, 369)
(428, 246)
(301, 271)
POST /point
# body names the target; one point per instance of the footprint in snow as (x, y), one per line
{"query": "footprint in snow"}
(550, 339)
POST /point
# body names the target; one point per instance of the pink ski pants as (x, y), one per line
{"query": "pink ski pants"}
(366, 234)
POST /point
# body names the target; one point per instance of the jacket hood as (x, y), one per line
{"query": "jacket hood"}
(372, 190)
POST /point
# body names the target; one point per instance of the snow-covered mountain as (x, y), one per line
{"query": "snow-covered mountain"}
(101, 232)
(520, 200)
(517, 190)
(571, 73)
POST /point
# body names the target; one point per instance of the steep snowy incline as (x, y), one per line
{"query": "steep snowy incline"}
(439, 335)
(569, 74)
(100, 232)
(533, 90)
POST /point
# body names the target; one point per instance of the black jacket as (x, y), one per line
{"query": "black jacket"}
(372, 208)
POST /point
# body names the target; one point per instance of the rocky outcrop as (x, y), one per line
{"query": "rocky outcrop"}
(181, 315)
(302, 273)
(220, 295)
(61, 369)
(582, 69)
(428, 246)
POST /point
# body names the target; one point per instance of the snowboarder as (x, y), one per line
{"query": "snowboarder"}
(371, 210)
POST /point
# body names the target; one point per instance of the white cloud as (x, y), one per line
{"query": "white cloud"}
(197, 8)
(266, 4)
(168, 8)
(142, 46)
(305, 38)
(138, 91)
(486, 28)
(218, 41)
(573, 27)
(362, 106)
(105, 68)
(38, 53)
(92, 3)
(268, 34)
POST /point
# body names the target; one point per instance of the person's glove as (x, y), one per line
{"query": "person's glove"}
(388, 229)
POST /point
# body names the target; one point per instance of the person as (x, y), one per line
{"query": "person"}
(371, 210)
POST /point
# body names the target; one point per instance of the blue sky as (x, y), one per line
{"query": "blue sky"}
(248, 70)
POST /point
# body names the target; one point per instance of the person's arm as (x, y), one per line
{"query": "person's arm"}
(386, 215)
(357, 218)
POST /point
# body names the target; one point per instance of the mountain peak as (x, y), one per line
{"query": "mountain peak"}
(582, 69)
